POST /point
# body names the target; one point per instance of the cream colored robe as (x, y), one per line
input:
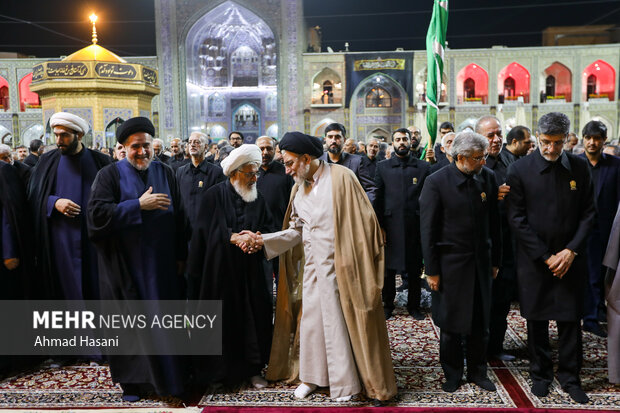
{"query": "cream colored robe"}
(343, 331)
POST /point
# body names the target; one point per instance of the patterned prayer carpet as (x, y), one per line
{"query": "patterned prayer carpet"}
(415, 352)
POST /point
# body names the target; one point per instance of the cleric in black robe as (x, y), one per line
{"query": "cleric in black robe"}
(230, 275)
(58, 192)
(136, 221)
(23, 170)
(16, 248)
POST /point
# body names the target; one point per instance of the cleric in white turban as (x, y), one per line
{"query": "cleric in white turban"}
(224, 272)
(248, 153)
(71, 121)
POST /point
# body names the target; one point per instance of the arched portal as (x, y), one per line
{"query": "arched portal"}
(230, 57)
(514, 84)
(36, 131)
(27, 98)
(4, 94)
(557, 83)
(377, 102)
(472, 85)
(599, 81)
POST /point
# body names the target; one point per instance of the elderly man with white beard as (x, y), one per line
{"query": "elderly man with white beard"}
(334, 236)
(226, 273)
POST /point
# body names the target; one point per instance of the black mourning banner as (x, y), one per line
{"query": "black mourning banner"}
(397, 65)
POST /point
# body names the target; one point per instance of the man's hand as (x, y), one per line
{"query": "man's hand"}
(502, 191)
(562, 263)
(150, 201)
(430, 155)
(433, 282)
(11, 263)
(495, 271)
(67, 207)
(248, 241)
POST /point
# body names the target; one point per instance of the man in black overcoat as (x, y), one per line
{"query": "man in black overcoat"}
(399, 181)
(275, 186)
(605, 171)
(551, 212)
(461, 241)
(335, 134)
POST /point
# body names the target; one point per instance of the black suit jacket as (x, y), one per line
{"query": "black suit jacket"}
(359, 166)
(275, 186)
(31, 160)
(550, 208)
(399, 185)
(461, 241)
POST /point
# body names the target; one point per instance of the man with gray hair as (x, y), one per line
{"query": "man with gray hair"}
(228, 274)
(22, 169)
(158, 151)
(445, 148)
(462, 247)
(196, 177)
(551, 211)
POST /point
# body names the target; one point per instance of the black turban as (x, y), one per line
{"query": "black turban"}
(134, 125)
(301, 144)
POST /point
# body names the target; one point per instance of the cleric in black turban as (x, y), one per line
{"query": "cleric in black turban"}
(301, 144)
(134, 125)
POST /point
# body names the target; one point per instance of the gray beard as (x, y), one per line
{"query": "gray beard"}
(300, 178)
(247, 194)
(140, 167)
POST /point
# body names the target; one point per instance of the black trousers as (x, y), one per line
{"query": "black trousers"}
(504, 287)
(451, 347)
(389, 289)
(570, 352)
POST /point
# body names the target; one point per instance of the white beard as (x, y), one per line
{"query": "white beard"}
(302, 174)
(247, 194)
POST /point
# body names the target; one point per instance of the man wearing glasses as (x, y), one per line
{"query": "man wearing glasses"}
(462, 247)
(551, 211)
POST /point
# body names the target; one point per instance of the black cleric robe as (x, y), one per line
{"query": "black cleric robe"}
(138, 254)
(461, 242)
(275, 186)
(24, 171)
(550, 208)
(64, 272)
(236, 278)
(15, 236)
(15, 242)
(194, 182)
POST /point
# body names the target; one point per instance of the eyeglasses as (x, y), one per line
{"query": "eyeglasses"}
(478, 158)
(548, 144)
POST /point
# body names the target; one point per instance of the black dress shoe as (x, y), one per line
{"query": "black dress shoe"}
(484, 383)
(595, 328)
(451, 386)
(387, 313)
(503, 356)
(577, 394)
(540, 389)
(417, 314)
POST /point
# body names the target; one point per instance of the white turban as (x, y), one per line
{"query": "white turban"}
(240, 156)
(70, 121)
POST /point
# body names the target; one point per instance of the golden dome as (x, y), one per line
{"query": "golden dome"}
(94, 52)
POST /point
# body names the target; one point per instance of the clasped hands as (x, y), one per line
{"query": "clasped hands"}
(248, 241)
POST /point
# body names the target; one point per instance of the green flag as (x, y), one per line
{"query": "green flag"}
(435, 45)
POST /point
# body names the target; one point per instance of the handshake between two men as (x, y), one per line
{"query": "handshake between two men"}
(248, 241)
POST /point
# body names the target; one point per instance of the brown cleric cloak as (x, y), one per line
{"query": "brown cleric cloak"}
(358, 259)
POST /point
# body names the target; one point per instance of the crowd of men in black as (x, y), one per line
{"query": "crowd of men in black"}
(487, 221)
